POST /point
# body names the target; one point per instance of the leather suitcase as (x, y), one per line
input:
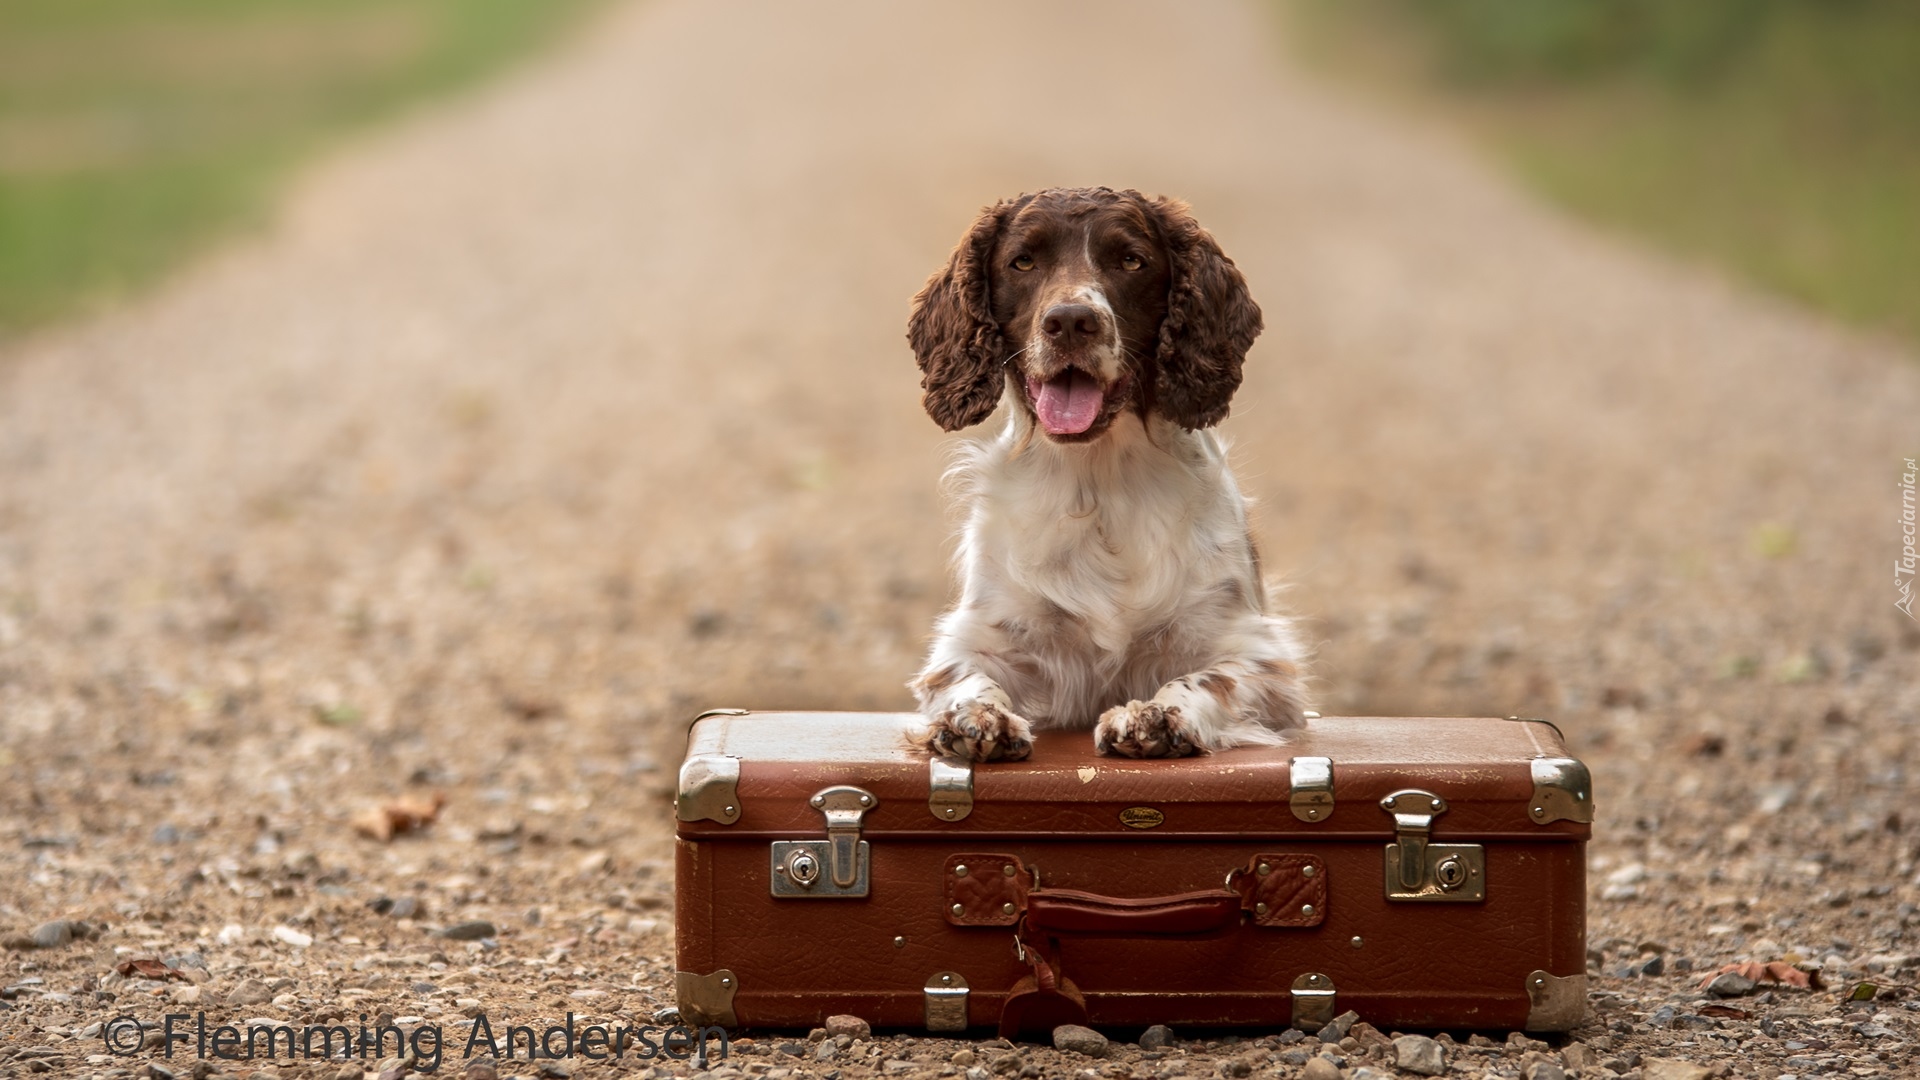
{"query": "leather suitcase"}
(1426, 873)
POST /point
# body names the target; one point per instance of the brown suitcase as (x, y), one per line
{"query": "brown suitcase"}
(1426, 873)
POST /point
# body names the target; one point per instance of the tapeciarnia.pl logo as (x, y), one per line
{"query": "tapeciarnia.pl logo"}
(1903, 567)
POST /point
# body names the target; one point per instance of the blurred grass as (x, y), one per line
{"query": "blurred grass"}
(1778, 138)
(134, 132)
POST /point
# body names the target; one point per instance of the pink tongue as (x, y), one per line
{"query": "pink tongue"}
(1069, 404)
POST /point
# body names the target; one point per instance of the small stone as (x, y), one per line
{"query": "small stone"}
(249, 992)
(1731, 984)
(1418, 1054)
(1672, 1069)
(1361, 1072)
(1294, 1057)
(1079, 1040)
(826, 1050)
(1320, 1068)
(978, 1073)
(1577, 1056)
(1656, 965)
(897, 1067)
(290, 936)
(850, 1026)
(1337, 1028)
(1157, 1037)
(157, 1071)
(471, 930)
(478, 1069)
(816, 1035)
(1366, 1034)
(1545, 1070)
(963, 1058)
(52, 935)
(1289, 1036)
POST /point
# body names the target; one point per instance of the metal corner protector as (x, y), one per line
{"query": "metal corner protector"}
(1562, 791)
(709, 789)
(706, 999)
(1559, 1002)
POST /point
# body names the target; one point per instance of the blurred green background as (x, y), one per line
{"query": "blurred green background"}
(1779, 139)
(132, 132)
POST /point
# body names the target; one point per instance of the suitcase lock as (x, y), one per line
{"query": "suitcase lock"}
(832, 868)
(1416, 868)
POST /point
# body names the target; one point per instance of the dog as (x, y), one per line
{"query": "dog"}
(1107, 575)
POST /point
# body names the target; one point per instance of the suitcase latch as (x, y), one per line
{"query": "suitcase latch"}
(832, 868)
(1417, 868)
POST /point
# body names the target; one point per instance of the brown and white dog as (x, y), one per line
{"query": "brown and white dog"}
(1108, 579)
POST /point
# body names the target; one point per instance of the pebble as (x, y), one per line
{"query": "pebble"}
(249, 992)
(1337, 1028)
(963, 1059)
(1545, 1070)
(1655, 966)
(1731, 984)
(1157, 1037)
(476, 1070)
(471, 930)
(1671, 1069)
(1366, 1034)
(1363, 1073)
(1320, 1068)
(1079, 1040)
(1418, 1054)
(52, 935)
(848, 1025)
(292, 937)
(978, 1073)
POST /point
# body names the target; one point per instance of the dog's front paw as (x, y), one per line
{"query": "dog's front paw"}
(1142, 729)
(979, 730)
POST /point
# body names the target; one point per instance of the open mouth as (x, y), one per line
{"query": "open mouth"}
(1068, 403)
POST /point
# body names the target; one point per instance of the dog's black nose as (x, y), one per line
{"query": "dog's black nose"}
(1070, 325)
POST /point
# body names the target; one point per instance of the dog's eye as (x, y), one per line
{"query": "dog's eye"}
(1130, 261)
(1023, 262)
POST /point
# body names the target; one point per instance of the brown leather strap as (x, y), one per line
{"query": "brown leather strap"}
(1070, 911)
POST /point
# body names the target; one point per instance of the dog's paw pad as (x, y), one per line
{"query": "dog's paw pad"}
(1143, 729)
(980, 730)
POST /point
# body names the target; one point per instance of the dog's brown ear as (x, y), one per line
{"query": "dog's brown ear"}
(954, 336)
(1211, 322)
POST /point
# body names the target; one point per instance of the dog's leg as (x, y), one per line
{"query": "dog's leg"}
(1247, 700)
(968, 715)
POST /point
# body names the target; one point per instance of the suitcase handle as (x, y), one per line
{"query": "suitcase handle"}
(1070, 911)
(995, 889)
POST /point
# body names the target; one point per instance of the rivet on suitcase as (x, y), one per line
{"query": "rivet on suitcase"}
(1423, 872)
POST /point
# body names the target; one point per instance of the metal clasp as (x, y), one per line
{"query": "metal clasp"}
(1311, 782)
(797, 863)
(1418, 869)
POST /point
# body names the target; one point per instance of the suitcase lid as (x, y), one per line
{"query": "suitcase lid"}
(756, 775)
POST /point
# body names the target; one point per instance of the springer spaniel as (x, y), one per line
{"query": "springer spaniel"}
(1108, 579)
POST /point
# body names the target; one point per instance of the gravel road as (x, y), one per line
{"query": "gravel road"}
(549, 416)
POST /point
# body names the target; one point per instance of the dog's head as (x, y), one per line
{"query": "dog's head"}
(1092, 302)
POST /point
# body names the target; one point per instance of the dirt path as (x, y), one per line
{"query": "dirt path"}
(552, 416)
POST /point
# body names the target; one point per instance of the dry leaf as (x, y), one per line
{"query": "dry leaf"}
(1778, 971)
(148, 968)
(402, 815)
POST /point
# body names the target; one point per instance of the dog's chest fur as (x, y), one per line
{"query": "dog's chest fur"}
(1115, 559)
